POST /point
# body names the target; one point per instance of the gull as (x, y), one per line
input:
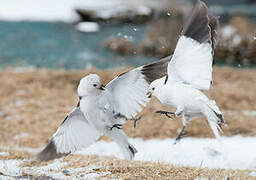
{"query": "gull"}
(102, 110)
(189, 71)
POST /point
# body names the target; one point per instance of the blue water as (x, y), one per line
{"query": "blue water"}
(60, 45)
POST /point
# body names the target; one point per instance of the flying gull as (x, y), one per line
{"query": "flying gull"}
(102, 111)
(189, 71)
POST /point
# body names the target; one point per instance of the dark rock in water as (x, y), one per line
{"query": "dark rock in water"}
(120, 45)
(237, 42)
(119, 14)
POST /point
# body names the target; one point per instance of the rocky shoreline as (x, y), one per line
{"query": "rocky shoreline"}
(237, 41)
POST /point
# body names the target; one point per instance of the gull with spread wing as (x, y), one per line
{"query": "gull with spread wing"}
(102, 111)
(190, 70)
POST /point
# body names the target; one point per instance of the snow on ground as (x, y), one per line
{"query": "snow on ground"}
(230, 152)
(235, 152)
(48, 10)
(11, 170)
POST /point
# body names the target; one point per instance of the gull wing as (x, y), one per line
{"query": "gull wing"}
(193, 57)
(74, 133)
(129, 89)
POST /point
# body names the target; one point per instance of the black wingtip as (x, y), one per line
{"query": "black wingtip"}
(197, 25)
(50, 153)
(201, 25)
(132, 149)
(220, 117)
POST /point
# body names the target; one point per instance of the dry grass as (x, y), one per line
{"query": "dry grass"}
(121, 169)
(34, 103)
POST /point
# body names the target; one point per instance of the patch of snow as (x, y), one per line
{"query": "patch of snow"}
(20, 92)
(230, 152)
(2, 113)
(253, 174)
(21, 135)
(94, 175)
(10, 167)
(88, 27)
(84, 172)
(52, 169)
(12, 117)
(18, 103)
(4, 154)
(249, 113)
(55, 166)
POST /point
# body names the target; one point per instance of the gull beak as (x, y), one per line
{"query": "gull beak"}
(149, 94)
(102, 87)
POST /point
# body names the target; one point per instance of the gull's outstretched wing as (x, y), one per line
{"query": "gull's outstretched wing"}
(129, 89)
(193, 57)
(73, 134)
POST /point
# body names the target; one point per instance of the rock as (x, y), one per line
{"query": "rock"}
(132, 11)
(121, 14)
(161, 40)
(236, 41)
(120, 45)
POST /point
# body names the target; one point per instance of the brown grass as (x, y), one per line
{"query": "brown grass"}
(122, 169)
(36, 103)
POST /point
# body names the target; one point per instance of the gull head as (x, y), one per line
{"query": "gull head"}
(154, 86)
(89, 85)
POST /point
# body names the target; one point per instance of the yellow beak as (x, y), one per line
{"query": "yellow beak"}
(149, 94)
(102, 87)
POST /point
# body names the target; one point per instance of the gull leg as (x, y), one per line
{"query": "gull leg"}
(118, 126)
(119, 115)
(181, 135)
(135, 121)
(165, 113)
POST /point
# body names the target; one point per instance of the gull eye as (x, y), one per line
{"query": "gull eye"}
(94, 85)
(153, 89)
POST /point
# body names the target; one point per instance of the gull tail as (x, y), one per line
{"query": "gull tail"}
(214, 117)
(120, 138)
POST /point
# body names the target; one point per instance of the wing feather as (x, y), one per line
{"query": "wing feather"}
(73, 134)
(193, 56)
(129, 89)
